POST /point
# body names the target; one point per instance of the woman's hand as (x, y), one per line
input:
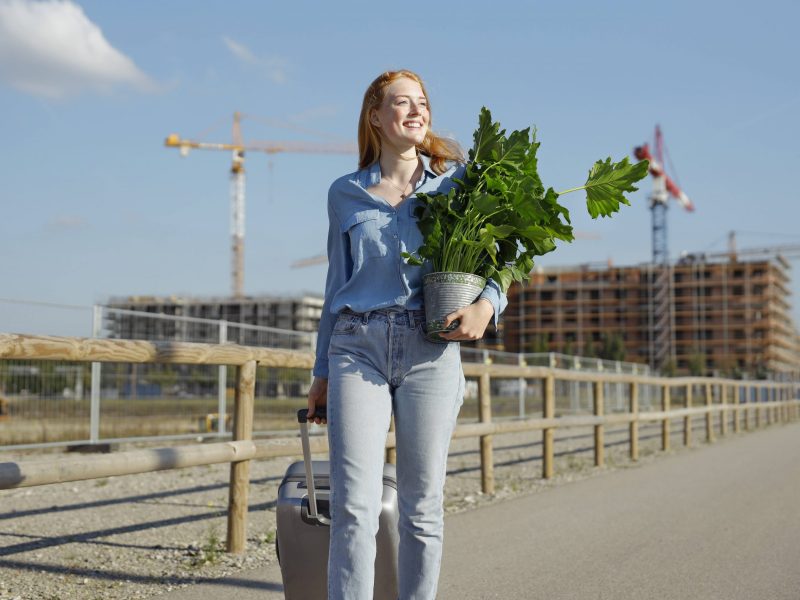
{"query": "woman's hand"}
(473, 321)
(317, 396)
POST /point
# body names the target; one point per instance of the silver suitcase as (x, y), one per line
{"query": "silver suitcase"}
(303, 528)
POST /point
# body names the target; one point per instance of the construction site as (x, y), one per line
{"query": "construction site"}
(725, 313)
(717, 314)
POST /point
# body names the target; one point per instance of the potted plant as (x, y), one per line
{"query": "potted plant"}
(499, 216)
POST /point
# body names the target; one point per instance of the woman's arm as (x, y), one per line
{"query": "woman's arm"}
(492, 293)
(339, 268)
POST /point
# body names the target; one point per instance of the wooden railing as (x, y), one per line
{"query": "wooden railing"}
(242, 449)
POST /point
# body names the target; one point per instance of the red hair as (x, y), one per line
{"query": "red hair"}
(440, 150)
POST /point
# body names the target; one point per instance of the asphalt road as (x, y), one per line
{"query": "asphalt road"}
(718, 521)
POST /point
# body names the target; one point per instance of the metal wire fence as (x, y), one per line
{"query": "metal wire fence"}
(50, 403)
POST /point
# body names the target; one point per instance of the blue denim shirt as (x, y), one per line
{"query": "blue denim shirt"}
(366, 236)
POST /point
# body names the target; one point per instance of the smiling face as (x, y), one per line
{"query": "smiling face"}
(403, 117)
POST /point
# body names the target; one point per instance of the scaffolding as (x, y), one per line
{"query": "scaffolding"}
(697, 315)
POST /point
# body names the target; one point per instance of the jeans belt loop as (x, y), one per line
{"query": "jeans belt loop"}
(365, 317)
(410, 314)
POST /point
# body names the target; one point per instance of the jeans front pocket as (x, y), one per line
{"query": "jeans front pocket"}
(346, 324)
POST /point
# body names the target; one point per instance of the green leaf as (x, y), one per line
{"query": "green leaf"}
(499, 231)
(485, 204)
(608, 182)
(411, 259)
(504, 279)
(488, 138)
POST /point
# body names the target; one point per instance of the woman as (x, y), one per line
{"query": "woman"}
(373, 359)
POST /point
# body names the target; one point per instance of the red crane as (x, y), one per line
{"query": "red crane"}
(663, 187)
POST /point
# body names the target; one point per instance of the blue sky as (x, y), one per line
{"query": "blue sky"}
(93, 204)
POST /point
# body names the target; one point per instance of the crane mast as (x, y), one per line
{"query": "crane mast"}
(237, 223)
(661, 316)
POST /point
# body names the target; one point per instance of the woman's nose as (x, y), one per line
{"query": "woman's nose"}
(415, 107)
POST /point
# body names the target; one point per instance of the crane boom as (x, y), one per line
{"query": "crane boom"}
(657, 170)
(237, 174)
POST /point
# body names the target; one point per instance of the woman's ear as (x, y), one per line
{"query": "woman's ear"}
(373, 118)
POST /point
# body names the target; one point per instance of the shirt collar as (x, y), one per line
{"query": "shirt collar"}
(371, 175)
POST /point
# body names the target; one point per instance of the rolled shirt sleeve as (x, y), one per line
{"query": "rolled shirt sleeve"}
(498, 299)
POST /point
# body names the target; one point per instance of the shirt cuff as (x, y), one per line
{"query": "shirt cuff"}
(320, 369)
(492, 293)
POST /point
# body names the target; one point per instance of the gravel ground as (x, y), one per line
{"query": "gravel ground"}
(139, 536)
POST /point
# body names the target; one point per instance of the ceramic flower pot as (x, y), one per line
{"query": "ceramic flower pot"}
(445, 293)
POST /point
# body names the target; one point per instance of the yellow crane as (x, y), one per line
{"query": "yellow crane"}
(238, 147)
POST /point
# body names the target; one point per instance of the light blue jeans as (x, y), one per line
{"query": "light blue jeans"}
(381, 363)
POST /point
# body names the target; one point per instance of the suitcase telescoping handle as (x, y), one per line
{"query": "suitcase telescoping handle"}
(302, 419)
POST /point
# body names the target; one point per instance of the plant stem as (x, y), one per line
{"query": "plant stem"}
(583, 187)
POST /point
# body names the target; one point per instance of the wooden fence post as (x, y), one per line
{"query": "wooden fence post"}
(634, 425)
(723, 399)
(777, 408)
(599, 437)
(709, 392)
(487, 462)
(687, 420)
(665, 406)
(782, 408)
(737, 409)
(770, 410)
(757, 400)
(788, 412)
(767, 409)
(749, 417)
(240, 470)
(549, 412)
(785, 394)
(770, 407)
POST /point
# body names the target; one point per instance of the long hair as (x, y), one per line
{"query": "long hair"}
(440, 150)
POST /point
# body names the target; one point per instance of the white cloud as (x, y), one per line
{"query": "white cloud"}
(274, 67)
(240, 51)
(67, 223)
(50, 48)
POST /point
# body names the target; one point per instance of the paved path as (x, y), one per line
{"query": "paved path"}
(715, 522)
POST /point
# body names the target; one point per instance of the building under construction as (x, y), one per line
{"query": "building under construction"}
(703, 314)
(295, 313)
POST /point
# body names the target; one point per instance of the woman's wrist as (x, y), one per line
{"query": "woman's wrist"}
(488, 302)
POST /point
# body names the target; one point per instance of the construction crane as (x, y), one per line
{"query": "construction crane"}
(237, 190)
(661, 325)
(663, 188)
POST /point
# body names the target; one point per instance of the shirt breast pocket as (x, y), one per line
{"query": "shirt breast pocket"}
(368, 232)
